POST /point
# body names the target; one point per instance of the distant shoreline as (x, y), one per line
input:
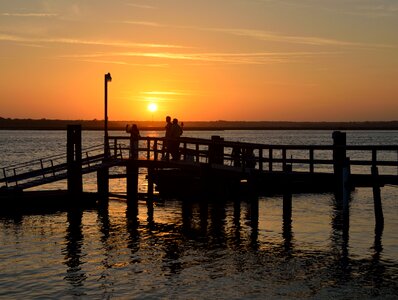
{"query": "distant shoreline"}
(47, 124)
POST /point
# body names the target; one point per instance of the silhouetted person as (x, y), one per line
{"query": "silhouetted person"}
(134, 136)
(174, 144)
(249, 157)
(167, 136)
(236, 156)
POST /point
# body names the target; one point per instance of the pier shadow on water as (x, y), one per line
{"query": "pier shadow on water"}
(207, 247)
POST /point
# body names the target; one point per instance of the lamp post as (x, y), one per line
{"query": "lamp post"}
(108, 78)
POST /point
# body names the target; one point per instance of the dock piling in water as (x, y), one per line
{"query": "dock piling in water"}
(103, 185)
(287, 194)
(339, 153)
(378, 209)
(132, 184)
(74, 160)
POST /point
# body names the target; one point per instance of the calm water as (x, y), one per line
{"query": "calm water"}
(202, 249)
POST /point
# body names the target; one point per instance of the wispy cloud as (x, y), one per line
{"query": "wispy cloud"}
(36, 15)
(363, 8)
(226, 58)
(143, 23)
(117, 62)
(304, 40)
(375, 10)
(143, 6)
(16, 38)
(167, 93)
(269, 36)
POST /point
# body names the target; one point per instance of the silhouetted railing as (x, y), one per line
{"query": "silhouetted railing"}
(50, 169)
(217, 152)
(305, 158)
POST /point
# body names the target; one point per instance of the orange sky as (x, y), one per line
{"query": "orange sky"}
(304, 60)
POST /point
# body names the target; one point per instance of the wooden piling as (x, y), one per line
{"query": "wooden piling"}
(254, 214)
(132, 185)
(287, 210)
(149, 200)
(74, 160)
(287, 195)
(150, 184)
(377, 199)
(345, 185)
(103, 185)
(339, 153)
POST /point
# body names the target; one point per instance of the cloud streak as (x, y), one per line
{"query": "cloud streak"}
(303, 40)
(259, 58)
(142, 23)
(36, 15)
(118, 62)
(166, 93)
(143, 6)
(21, 39)
(269, 36)
(363, 8)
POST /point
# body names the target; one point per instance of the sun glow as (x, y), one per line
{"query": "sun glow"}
(152, 107)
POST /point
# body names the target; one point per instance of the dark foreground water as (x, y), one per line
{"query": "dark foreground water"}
(207, 248)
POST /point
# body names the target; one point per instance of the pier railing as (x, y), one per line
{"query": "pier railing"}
(51, 168)
(237, 156)
(263, 157)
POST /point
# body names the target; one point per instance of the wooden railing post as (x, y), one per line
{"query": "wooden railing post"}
(15, 175)
(283, 158)
(339, 165)
(339, 152)
(197, 153)
(216, 150)
(270, 159)
(5, 176)
(155, 149)
(52, 167)
(42, 167)
(148, 149)
(374, 158)
(185, 151)
(311, 160)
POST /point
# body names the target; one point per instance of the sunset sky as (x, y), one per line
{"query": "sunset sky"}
(271, 60)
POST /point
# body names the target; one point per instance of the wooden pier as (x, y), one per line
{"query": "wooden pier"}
(212, 166)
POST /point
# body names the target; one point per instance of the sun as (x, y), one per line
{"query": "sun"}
(152, 107)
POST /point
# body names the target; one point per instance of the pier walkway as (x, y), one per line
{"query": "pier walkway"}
(308, 165)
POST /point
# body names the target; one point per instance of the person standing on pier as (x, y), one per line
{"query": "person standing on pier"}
(166, 141)
(176, 132)
(134, 136)
(236, 156)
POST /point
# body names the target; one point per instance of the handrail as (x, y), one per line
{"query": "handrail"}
(270, 154)
(264, 157)
(50, 166)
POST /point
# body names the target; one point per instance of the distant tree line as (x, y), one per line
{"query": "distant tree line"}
(50, 124)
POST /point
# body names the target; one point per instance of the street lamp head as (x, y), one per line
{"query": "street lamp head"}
(108, 77)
